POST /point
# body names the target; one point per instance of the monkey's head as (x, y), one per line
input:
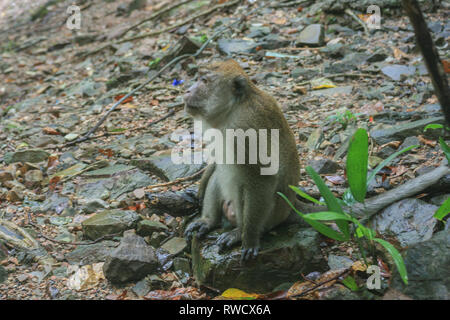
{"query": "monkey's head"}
(219, 87)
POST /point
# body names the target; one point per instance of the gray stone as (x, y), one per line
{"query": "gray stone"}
(322, 166)
(109, 222)
(396, 71)
(286, 253)
(409, 220)
(439, 200)
(339, 262)
(312, 35)
(409, 141)
(30, 155)
(93, 205)
(163, 167)
(91, 253)
(54, 203)
(115, 186)
(147, 227)
(427, 264)
(132, 260)
(230, 46)
(175, 245)
(141, 288)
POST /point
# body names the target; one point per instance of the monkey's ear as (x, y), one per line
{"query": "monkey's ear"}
(240, 85)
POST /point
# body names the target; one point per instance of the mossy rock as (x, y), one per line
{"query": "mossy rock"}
(286, 253)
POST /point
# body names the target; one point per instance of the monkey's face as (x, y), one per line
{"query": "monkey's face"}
(208, 97)
(216, 92)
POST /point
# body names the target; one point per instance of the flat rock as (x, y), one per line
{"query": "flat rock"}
(147, 227)
(230, 46)
(162, 166)
(113, 187)
(91, 253)
(30, 155)
(312, 35)
(109, 222)
(409, 220)
(132, 260)
(395, 71)
(175, 245)
(322, 166)
(285, 254)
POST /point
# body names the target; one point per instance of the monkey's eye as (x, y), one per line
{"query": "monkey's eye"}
(204, 79)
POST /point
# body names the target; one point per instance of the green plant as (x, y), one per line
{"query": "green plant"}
(357, 177)
(344, 118)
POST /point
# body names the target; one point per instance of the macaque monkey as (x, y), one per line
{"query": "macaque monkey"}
(225, 98)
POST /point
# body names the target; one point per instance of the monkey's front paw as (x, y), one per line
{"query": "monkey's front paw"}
(202, 228)
(249, 253)
(228, 239)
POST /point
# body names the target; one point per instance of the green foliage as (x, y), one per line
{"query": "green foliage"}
(357, 160)
(344, 118)
(443, 210)
(350, 283)
(154, 63)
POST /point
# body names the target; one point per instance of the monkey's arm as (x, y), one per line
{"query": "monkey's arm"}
(204, 180)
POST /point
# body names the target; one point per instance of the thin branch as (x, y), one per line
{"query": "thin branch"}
(155, 15)
(169, 28)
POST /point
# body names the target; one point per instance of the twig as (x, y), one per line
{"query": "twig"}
(169, 114)
(341, 75)
(183, 22)
(176, 181)
(157, 32)
(155, 15)
(173, 61)
(320, 284)
(362, 23)
(430, 55)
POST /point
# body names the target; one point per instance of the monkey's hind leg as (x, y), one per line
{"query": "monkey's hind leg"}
(211, 211)
(256, 211)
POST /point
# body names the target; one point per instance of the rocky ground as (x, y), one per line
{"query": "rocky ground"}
(81, 222)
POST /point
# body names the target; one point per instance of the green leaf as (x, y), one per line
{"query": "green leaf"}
(350, 283)
(318, 226)
(433, 126)
(306, 196)
(357, 159)
(387, 160)
(443, 210)
(397, 258)
(330, 199)
(445, 148)
(328, 215)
